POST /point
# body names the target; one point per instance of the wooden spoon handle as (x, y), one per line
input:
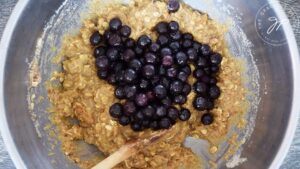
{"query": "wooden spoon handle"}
(127, 151)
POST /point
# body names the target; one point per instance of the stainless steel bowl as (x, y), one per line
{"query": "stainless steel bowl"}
(275, 57)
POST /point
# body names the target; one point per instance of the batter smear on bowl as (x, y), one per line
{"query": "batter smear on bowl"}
(137, 68)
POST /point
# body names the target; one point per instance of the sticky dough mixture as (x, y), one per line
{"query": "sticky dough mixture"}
(83, 97)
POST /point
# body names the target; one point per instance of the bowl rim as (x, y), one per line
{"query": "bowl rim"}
(293, 120)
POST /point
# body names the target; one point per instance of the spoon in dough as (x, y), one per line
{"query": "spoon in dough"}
(128, 150)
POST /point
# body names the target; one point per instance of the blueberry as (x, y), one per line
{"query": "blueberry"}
(135, 126)
(186, 89)
(120, 76)
(175, 46)
(116, 110)
(173, 26)
(200, 103)
(112, 54)
(184, 114)
(107, 34)
(119, 92)
(205, 50)
(215, 59)
(130, 91)
(148, 112)
(130, 75)
(154, 47)
(198, 73)
(115, 24)
(160, 91)
(197, 46)
(214, 92)
(175, 36)
(176, 87)
(148, 71)
(128, 55)
(135, 64)
(201, 88)
(166, 102)
(180, 99)
(96, 38)
(165, 82)
(144, 84)
(139, 116)
(205, 79)
(154, 125)
(173, 113)
(117, 66)
(186, 69)
(150, 58)
(192, 54)
(161, 111)
(146, 123)
(102, 74)
(202, 62)
(162, 27)
(114, 40)
(167, 61)
(187, 43)
(173, 6)
(182, 76)
(129, 43)
(213, 81)
(111, 79)
(124, 120)
(165, 51)
(172, 72)
(214, 69)
(102, 62)
(129, 108)
(141, 99)
(207, 119)
(210, 105)
(165, 123)
(144, 41)
(162, 40)
(99, 51)
(125, 31)
(181, 58)
(188, 36)
(138, 51)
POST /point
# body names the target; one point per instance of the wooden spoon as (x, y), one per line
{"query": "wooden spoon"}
(127, 151)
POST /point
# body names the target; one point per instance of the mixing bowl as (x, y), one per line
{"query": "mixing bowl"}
(270, 51)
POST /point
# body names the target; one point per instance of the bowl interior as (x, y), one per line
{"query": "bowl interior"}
(274, 86)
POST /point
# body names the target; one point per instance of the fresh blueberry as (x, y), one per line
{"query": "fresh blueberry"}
(173, 113)
(207, 119)
(115, 24)
(198, 73)
(172, 72)
(141, 99)
(182, 76)
(125, 31)
(112, 54)
(184, 114)
(129, 43)
(201, 88)
(161, 111)
(135, 126)
(173, 6)
(167, 61)
(130, 75)
(180, 99)
(129, 108)
(188, 36)
(102, 62)
(148, 112)
(165, 123)
(135, 64)
(119, 92)
(130, 91)
(144, 41)
(162, 40)
(175, 36)
(116, 110)
(215, 59)
(173, 26)
(205, 50)
(176, 87)
(160, 91)
(102, 74)
(150, 58)
(192, 54)
(181, 58)
(186, 89)
(128, 55)
(114, 40)
(154, 47)
(148, 71)
(99, 51)
(200, 103)
(96, 38)
(124, 120)
(214, 92)
(162, 27)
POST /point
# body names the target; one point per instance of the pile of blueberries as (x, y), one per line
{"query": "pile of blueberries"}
(152, 76)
